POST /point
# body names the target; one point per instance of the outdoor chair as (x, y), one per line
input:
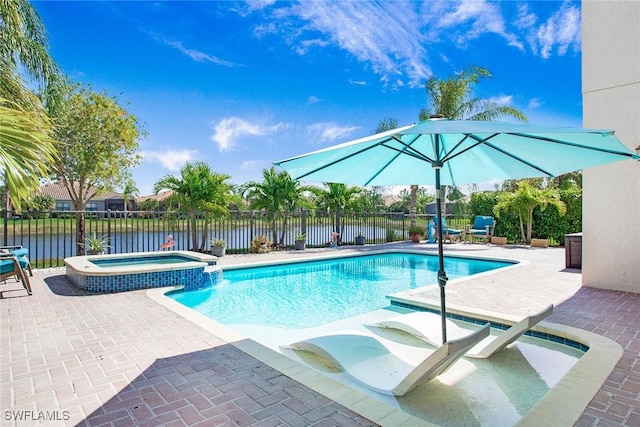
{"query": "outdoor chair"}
(426, 326)
(368, 361)
(450, 234)
(22, 254)
(10, 267)
(481, 229)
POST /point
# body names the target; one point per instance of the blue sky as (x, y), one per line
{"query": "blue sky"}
(240, 85)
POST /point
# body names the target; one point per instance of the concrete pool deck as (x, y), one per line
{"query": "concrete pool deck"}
(122, 359)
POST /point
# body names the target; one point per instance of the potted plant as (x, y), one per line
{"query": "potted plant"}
(260, 245)
(301, 241)
(218, 247)
(95, 244)
(360, 239)
(416, 233)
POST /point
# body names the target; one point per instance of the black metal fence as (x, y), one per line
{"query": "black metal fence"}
(51, 236)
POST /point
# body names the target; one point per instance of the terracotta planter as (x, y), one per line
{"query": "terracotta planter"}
(539, 243)
(415, 238)
(498, 240)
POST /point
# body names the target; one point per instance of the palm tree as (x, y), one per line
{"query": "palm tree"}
(199, 190)
(278, 195)
(452, 98)
(336, 198)
(26, 151)
(129, 193)
(24, 58)
(524, 200)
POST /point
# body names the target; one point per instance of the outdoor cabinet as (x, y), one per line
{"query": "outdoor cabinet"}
(573, 250)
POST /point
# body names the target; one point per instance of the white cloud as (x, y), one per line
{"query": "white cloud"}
(313, 100)
(502, 100)
(195, 55)
(172, 160)
(228, 131)
(252, 165)
(329, 132)
(385, 35)
(464, 21)
(358, 82)
(562, 30)
(395, 38)
(534, 103)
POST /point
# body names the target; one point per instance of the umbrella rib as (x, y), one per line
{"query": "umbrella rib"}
(341, 159)
(574, 144)
(407, 146)
(531, 165)
(415, 153)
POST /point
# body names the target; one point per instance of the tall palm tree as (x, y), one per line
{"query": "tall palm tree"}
(336, 198)
(453, 98)
(278, 195)
(24, 58)
(24, 55)
(199, 190)
(26, 151)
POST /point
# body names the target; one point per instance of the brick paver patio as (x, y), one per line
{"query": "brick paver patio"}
(124, 360)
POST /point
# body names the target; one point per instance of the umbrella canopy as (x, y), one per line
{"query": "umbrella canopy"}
(454, 152)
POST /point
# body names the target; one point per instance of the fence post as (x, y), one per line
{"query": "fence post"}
(303, 222)
(109, 230)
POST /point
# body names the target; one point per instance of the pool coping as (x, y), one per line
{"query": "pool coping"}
(562, 405)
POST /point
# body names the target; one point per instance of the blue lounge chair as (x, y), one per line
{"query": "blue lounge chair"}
(10, 267)
(481, 229)
(22, 254)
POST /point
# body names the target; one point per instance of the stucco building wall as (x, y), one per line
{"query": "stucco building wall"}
(611, 100)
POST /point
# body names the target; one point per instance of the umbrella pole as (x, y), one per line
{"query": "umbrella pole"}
(442, 276)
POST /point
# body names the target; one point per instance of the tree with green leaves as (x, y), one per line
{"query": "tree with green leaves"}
(524, 200)
(453, 99)
(199, 192)
(422, 198)
(129, 192)
(101, 142)
(278, 195)
(27, 150)
(336, 199)
(24, 57)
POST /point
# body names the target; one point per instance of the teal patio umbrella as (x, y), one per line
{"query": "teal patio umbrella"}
(453, 152)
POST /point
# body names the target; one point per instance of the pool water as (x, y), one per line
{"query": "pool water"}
(308, 294)
(147, 260)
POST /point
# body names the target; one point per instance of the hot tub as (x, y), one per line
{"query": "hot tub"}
(141, 270)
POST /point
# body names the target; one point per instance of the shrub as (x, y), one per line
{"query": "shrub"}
(260, 245)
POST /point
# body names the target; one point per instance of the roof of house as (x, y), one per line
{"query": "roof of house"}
(159, 197)
(59, 192)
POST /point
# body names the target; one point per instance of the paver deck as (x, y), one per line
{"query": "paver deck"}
(70, 358)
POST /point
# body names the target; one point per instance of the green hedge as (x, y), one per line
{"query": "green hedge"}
(546, 224)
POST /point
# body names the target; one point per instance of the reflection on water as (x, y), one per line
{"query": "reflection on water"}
(313, 293)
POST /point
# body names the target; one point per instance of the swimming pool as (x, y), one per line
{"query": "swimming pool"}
(307, 294)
